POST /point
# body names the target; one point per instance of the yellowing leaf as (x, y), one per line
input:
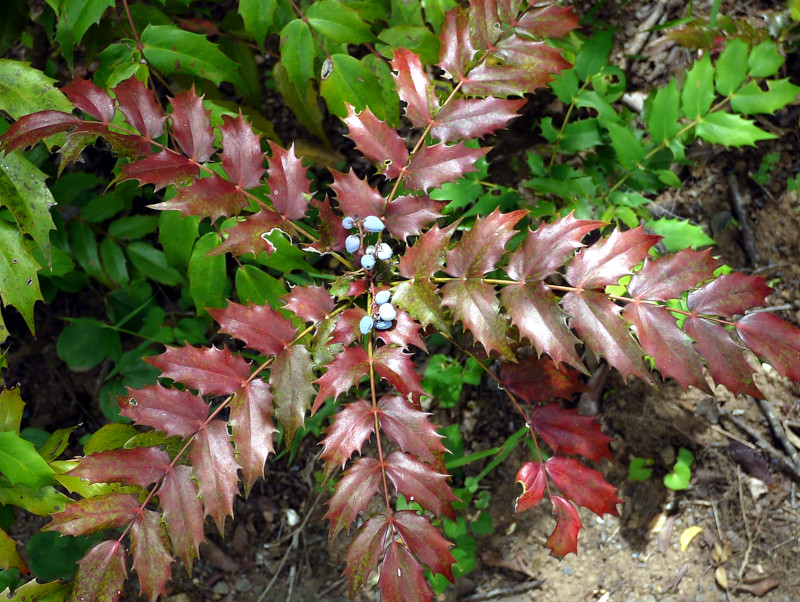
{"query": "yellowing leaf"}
(688, 535)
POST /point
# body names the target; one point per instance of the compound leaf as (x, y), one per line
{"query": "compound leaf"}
(140, 107)
(410, 428)
(191, 126)
(378, 142)
(242, 157)
(251, 422)
(365, 550)
(414, 88)
(729, 294)
(353, 492)
(432, 166)
(94, 514)
(289, 186)
(729, 129)
(421, 483)
(290, 379)
(425, 542)
(402, 577)
(141, 466)
(174, 412)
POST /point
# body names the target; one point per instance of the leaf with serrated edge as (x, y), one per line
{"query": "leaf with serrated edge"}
(290, 380)
(609, 259)
(151, 561)
(414, 87)
(536, 380)
(564, 538)
(395, 365)
(171, 411)
(425, 542)
(207, 197)
(183, 513)
(725, 359)
(583, 485)
(474, 303)
(410, 428)
(427, 255)
(377, 141)
(101, 573)
(402, 577)
(774, 341)
(90, 98)
(669, 276)
(242, 157)
(161, 170)
(404, 332)
(531, 477)
(406, 215)
(260, 327)
(365, 550)
(348, 431)
(30, 129)
(251, 422)
(309, 303)
(94, 514)
(215, 470)
(331, 232)
(729, 294)
(567, 432)
(250, 234)
(456, 50)
(474, 118)
(355, 196)
(432, 166)
(549, 22)
(346, 369)
(421, 300)
(141, 466)
(191, 126)
(421, 483)
(140, 107)
(209, 370)
(288, 183)
(353, 492)
(481, 248)
(346, 329)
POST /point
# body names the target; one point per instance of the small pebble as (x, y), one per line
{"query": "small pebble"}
(243, 585)
(221, 588)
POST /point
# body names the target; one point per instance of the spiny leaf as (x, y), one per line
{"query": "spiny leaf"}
(346, 369)
(402, 577)
(609, 259)
(210, 197)
(365, 550)
(414, 87)
(669, 276)
(406, 331)
(410, 428)
(141, 466)
(331, 232)
(151, 560)
(348, 431)
(90, 98)
(183, 513)
(583, 485)
(191, 126)
(427, 256)
(474, 303)
(420, 298)
(140, 107)
(215, 470)
(549, 22)
(456, 50)
(251, 422)
(94, 514)
(567, 432)
(309, 303)
(207, 369)
(290, 380)
(564, 538)
(729, 294)
(356, 198)
(289, 186)
(259, 326)
(30, 129)
(251, 234)
(473, 118)
(406, 215)
(174, 412)
(420, 483)
(537, 380)
(531, 477)
(161, 169)
(377, 141)
(481, 248)
(395, 365)
(773, 340)
(242, 157)
(425, 542)
(353, 492)
(432, 166)
(101, 573)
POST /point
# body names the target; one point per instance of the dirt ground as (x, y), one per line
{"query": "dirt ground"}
(744, 500)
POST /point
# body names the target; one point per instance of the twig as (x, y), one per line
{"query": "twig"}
(643, 34)
(292, 577)
(777, 430)
(764, 445)
(504, 591)
(749, 535)
(748, 238)
(292, 546)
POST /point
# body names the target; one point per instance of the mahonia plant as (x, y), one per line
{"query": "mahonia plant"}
(405, 276)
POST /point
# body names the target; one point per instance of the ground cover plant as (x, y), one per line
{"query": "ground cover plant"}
(516, 294)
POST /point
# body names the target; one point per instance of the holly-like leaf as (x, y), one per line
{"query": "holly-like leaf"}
(377, 141)
(251, 422)
(406, 215)
(420, 298)
(242, 157)
(774, 341)
(402, 577)
(729, 294)
(355, 196)
(532, 478)
(432, 166)
(481, 248)
(353, 492)
(210, 197)
(567, 432)
(141, 466)
(346, 369)
(94, 514)
(348, 431)
(90, 98)
(404, 332)
(290, 380)
(251, 234)
(395, 365)
(161, 169)
(427, 256)
(140, 107)
(289, 186)
(474, 303)
(549, 22)
(191, 126)
(259, 326)
(365, 550)
(174, 412)
(583, 485)
(30, 129)
(215, 470)
(473, 118)
(669, 276)
(456, 50)
(101, 573)
(183, 513)
(564, 538)
(537, 380)
(331, 232)
(209, 370)
(421, 483)
(425, 542)
(414, 87)
(310, 303)
(410, 428)
(151, 561)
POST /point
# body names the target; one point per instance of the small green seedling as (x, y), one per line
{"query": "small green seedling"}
(679, 478)
(639, 471)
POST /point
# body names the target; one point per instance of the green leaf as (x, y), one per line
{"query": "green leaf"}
(11, 408)
(638, 470)
(173, 50)
(751, 99)
(286, 256)
(698, 89)
(681, 474)
(419, 40)
(114, 263)
(207, 278)
(258, 17)
(253, 285)
(117, 63)
(109, 436)
(19, 284)
(350, 81)
(132, 227)
(338, 22)
(75, 17)
(730, 130)
(177, 235)
(580, 135)
(593, 55)
(764, 60)
(21, 463)
(53, 556)
(565, 86)
(152, 263)
(83, 345)
(13, 24)
(731, 68)
(42, 501)
(298, 52)
(628, 148)
(662, 118)
(25, 90)
(302, 100)
(679, 234)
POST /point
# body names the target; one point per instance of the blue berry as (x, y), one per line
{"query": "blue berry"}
(384, 251)
(352, 243)
(370, 250)
(382, 297)
(368, 262)
(348, 223)
(365, 325)
(383, 324)
(387, 312)
(373, 223)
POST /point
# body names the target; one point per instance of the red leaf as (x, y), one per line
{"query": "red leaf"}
(725, 359)
(564, 538)
(191, 126)
(353, 492)
(289, 185)
(669, 276)
(535, 379)
(567, 432)
(30, 129)
(774, 341)
(209, 370)
(425, 542)
(251, 422)
(609, 259)
(583, 485)
(427, 255)
(242, 158)
(207, 197)
(670, 347)
(475, 305)
(174, 412)
(531, 477)
(406, 215)
(456, 50)
(259, 326)
(215, 470)
(432, 166)
(183, 513)
(355, 196)
(420, 483)
(377, 141)
(365, 550)
(402, 578)
(161, 169)
(485, 24)
(346, 370)
(94, 514)
(310, 303)
(420, 298)
(474, 118)
(101, 573)
(598, 322)
(549, 22)
(410, 428)
(729, 294)
(140, 466)
(140, 107)
(331, 231)
(414, 87)
(249, 234)
(393, 364)
(348, 431)
(90, 99)
(346, 330)
(290, 379)
(151, 561)
(404, 332)
(481, 248)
